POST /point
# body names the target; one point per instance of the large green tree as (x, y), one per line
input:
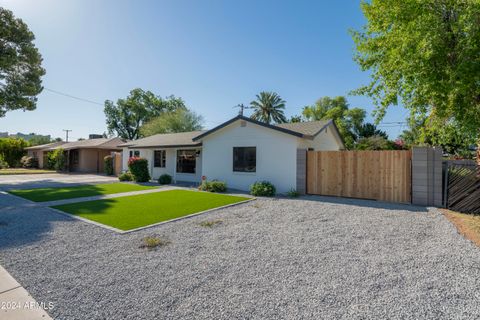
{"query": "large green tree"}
(424, 55)
(347, 120)
(125, 117)
(20, 65)
(180, 120)
(268, 107)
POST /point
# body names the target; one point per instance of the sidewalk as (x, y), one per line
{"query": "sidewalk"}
(16, 303)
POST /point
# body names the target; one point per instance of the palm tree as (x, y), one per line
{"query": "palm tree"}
(268, 106)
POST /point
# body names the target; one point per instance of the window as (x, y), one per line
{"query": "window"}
(244, 159)
(159, 158)
(186, 161)
(134, 153)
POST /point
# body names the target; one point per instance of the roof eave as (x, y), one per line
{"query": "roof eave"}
(239, 117)
(166, 146)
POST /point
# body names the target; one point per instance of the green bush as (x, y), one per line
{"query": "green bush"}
(139, 169)
(12, 150)
(56, 159)
(262, 189)
(165, 179)
(213, 186)
(126, 176)
(108, 165)
(293, 193)
(3, 163)
(29, 162)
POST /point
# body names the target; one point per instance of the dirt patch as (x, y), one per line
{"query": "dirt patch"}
(467, 225)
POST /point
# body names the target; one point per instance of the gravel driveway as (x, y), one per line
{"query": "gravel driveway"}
(312, 258)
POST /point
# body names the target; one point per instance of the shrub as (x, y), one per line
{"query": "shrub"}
(139, 169)
(126, 176)
(262, 189)
(293, 193)
(152, 242)
(165, 179)
(3, 163)
(56, 159)
(108, 165)
(29, 162)
(12, 150)
(213, 186)
(210, 223)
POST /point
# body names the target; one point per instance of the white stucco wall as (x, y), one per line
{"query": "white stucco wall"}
(324, 141)
(170, 164)
(276, 156)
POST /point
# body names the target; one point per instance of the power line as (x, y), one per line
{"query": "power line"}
(74, 97)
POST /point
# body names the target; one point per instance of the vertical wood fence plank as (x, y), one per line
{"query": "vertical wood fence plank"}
(379, 175)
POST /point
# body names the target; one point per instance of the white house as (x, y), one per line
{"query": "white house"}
(239, 152)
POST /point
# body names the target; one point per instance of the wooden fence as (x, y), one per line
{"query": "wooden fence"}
(463, 187)
(379, 175)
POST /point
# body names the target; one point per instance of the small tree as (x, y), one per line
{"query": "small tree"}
(139, 169)
(12, 150)
(56, 159)
(108, 165)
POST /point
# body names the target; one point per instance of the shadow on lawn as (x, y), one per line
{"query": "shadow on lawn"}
(362, 203)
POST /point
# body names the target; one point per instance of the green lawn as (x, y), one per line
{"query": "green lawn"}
(4, 172)
(126, 213)
(50, 194)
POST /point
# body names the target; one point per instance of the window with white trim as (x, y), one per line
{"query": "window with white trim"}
(159, 158)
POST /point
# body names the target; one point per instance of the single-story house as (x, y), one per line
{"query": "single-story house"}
(82, 156)
(240, 151)
(38, 153)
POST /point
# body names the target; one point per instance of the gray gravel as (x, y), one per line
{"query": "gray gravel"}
(314, 258)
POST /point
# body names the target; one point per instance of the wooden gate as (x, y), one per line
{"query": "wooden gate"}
(378, 175)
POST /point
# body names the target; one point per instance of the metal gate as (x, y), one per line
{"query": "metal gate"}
(463, 187)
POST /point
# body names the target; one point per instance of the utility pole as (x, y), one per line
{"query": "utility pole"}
(242, 107)
(66, 134)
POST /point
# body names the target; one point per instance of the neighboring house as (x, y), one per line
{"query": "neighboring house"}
(239, 151)
(38, 152)
(82, 156)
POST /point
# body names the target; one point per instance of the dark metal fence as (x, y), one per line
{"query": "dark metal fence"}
(463, 187)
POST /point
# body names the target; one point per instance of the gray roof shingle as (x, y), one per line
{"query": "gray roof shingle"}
(101, 143)
(310, 128)
(181, 139)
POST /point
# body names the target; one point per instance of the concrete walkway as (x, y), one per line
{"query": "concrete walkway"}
(16, 303)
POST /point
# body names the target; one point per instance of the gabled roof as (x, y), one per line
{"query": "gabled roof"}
(44, 146)
(239, 117)
(101, 143)
(300, 129)
(166, 140)
(308, 129)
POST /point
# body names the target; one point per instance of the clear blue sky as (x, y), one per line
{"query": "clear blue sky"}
(213, 54)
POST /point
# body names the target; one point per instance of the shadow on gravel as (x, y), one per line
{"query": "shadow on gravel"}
(26, 226)
(363, 203)
(47, 181)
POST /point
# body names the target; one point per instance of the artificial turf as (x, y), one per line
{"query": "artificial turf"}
(51, 194)
(130, 212)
